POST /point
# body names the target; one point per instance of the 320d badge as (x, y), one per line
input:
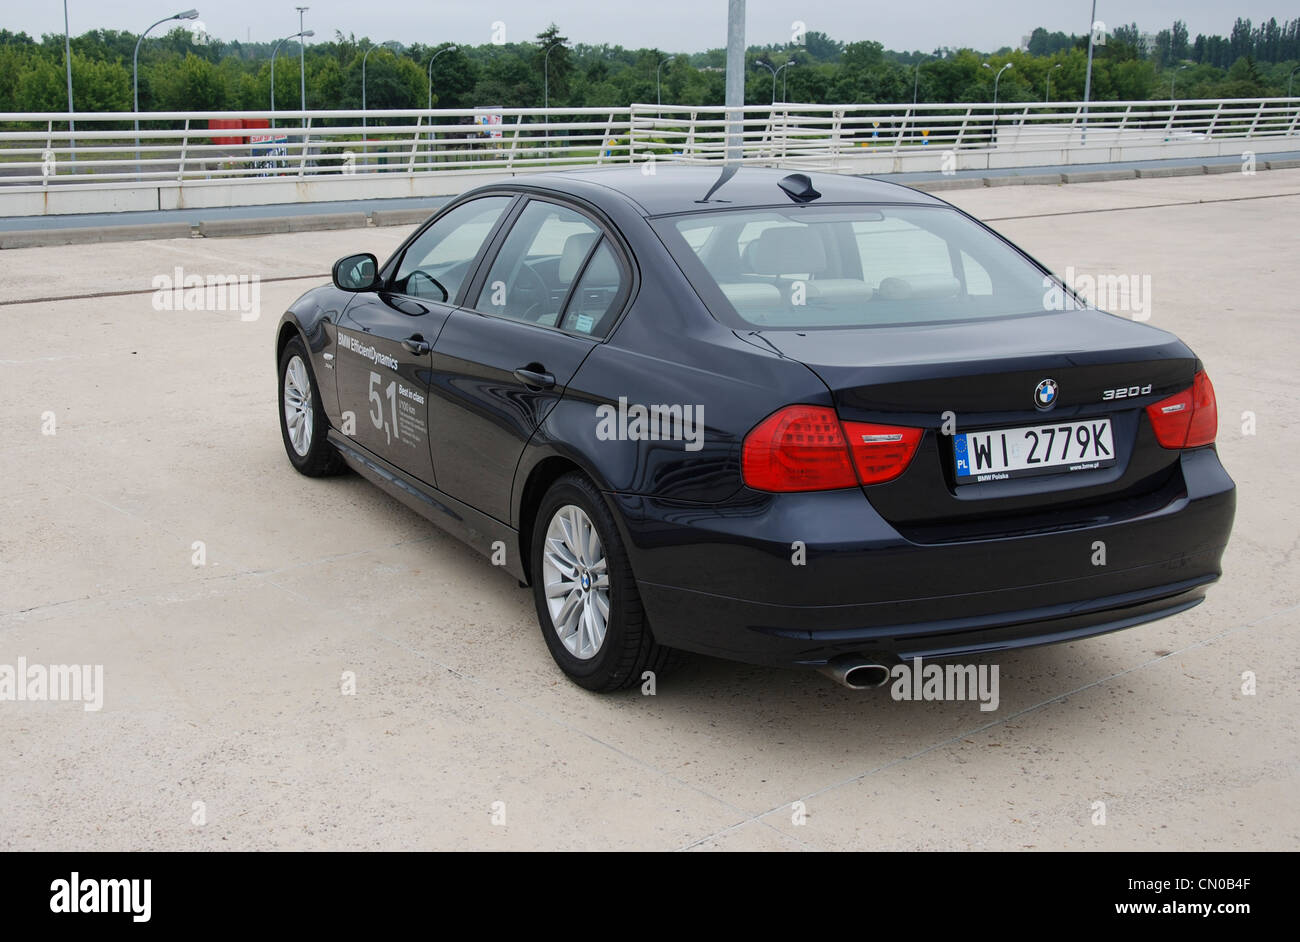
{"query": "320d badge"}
(806, 421)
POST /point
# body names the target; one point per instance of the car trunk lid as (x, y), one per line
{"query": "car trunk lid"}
(955, 378)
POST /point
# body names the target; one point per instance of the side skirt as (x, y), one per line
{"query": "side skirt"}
(468, 525)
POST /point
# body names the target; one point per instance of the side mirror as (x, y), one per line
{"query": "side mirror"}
(356, 273)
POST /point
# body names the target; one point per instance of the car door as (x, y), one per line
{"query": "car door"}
(384, 337)
(554, 288)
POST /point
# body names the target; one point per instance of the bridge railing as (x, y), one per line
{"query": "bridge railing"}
(103, 150)
(833, 137)
(179, 147)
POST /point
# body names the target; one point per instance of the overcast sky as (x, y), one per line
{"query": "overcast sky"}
(672, 25)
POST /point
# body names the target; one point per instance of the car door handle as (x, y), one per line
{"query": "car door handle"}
(535, 379)
(417, 345)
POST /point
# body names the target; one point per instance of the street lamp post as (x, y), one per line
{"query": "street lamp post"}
(546, 75)
(658, 97)
(773, 71)
(784, 78)
(916, 88)
(546, 93)
(1048, 97)
(388, 46)
(1290, 79)
(997, 78)
(135, 74)
(431, 62)
(1087, 82)
(67, 59)
(1173, 78)
(302, 67)
(299, 36)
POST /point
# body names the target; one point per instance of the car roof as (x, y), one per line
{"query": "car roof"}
(677, 189)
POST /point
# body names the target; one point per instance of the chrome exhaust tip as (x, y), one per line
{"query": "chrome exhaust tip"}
(857, 673)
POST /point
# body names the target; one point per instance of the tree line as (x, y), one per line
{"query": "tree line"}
(177, 73)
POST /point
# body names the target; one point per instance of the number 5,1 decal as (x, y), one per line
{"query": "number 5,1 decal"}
(377, 407)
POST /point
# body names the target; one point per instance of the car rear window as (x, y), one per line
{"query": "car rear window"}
(809, 267)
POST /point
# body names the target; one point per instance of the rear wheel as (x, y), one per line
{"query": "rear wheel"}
(587, 601)
(303, 422)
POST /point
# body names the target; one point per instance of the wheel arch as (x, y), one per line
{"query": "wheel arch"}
(541, 474)
(289, 328)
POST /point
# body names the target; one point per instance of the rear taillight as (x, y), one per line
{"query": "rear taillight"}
(1189, 419)
(881, 452)
(807, 448)
(800, 448)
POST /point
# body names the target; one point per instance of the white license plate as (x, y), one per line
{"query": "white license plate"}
(999, 454)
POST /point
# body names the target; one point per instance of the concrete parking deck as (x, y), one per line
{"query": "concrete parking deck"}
(223, 725)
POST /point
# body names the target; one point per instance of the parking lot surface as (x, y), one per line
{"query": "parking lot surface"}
(139, 441)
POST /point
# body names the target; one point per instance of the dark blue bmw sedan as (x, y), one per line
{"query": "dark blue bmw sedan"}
(797, 420)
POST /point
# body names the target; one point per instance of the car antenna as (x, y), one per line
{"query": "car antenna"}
(728, 172)
(799, 188)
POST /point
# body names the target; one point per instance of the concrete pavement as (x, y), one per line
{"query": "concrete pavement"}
(222, 681)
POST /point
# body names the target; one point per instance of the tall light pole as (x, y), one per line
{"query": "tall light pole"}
(773, 71)
(1290, 79)
(916, 80)
(302, 66)
(784, 77)
(997, 78)
(916, 87)
(299, 36)
(546, 75)
(135, 74)
(389, 47)
(1087, 82)
(431, 62)
(734, 96)
(1173, 78)
(67, 59)
(1048, 96)
(658, 97)
(546, 93)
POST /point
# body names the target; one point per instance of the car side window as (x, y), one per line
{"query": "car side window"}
(437, 262)
(546, 250)
(594, 303)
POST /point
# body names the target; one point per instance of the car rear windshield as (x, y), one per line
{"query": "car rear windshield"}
(808, 267)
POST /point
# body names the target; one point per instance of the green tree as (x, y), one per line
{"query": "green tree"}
(193, 84)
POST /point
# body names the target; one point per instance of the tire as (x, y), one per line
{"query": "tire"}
(627, 648)
(305, 442)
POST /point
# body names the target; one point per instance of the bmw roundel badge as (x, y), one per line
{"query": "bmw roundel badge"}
(1045, 395)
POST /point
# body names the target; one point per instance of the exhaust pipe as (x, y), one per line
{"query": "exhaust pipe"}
(856, 673)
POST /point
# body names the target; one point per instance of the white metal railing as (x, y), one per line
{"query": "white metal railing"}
(827, 136)
(104, 149)
(180, 147)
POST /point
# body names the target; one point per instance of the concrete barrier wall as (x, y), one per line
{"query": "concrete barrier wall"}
(931, 158)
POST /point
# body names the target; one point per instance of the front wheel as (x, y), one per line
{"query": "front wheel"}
(587, 602)
(303, 422)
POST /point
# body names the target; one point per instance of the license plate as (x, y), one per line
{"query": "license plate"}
(999, 454)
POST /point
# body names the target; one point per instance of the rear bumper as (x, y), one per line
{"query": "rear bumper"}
(726, 581)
